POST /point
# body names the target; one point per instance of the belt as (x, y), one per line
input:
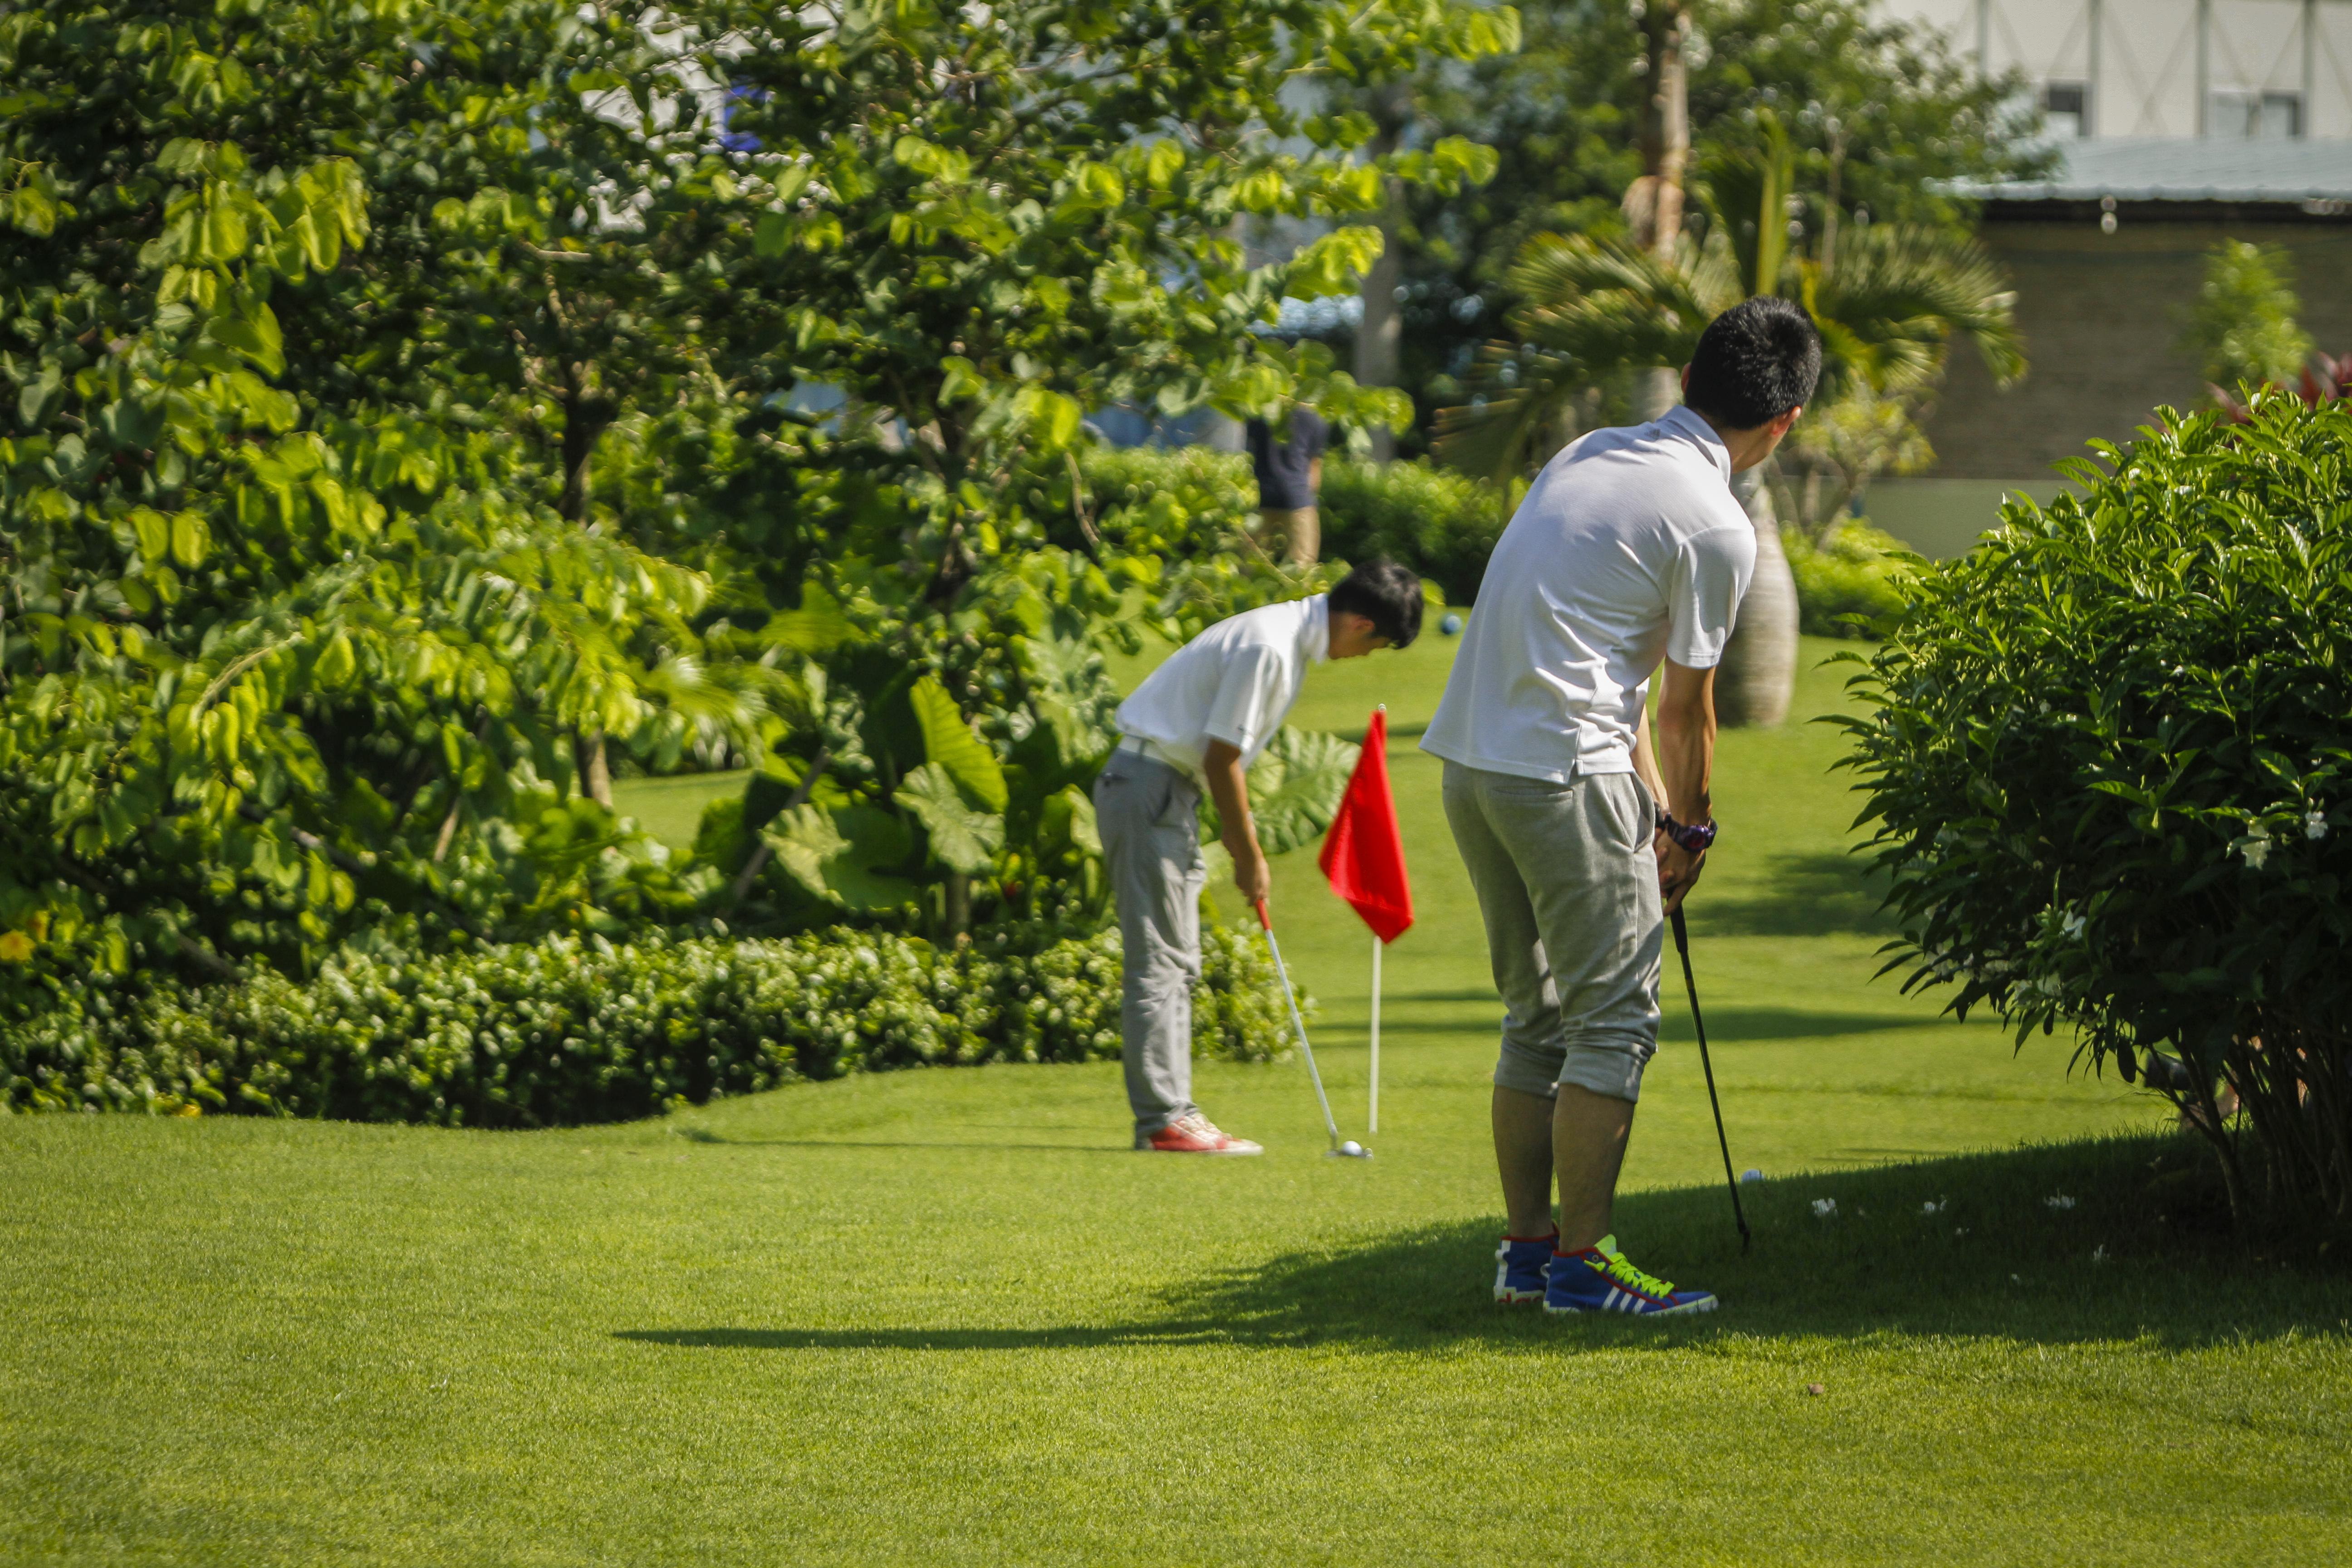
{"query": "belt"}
(1160, 754)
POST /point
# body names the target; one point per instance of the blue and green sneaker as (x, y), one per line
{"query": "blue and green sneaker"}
(1519, 1265)
(1600, 1279)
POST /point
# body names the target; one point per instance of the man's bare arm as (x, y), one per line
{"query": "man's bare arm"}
(1685, 763)
(1646, 759)
(1229, 789)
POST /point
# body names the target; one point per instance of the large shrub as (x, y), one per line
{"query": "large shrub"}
(2111, 767)
(578, 1031)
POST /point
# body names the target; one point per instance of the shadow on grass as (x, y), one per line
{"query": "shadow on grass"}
(1810, 895)
(2135, 1248)
(698, 1136)
(1724, 1025)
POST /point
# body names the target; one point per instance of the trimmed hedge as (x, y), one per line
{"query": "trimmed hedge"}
(1854, 571)
(575, 1030)
(1440, 523)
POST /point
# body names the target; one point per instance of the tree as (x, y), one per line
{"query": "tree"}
(2242, 326)
(1879, 113)
(404, 391)
(967, 230)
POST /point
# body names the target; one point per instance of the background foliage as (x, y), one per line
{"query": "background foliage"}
(425, 407)
(1877, 112)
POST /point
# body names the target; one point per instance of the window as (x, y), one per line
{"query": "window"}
(2249, 113)
(2066, 109)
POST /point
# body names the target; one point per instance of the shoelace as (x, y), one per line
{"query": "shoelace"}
(1622, 1272)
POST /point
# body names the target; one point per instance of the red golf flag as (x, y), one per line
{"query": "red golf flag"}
(1362, 853)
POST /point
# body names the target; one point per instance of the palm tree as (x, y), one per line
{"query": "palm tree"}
(1888, 301)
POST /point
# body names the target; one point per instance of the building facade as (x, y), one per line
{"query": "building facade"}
(2179, 124)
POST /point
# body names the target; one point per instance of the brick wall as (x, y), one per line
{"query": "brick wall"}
(2101, 316)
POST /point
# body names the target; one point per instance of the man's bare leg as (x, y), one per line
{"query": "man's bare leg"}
(1588, 1133)
(1523, 1156)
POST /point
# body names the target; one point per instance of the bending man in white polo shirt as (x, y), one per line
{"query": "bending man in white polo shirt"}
(1199, 721)
(1629, 549)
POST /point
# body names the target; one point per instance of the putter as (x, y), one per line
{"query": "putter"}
(1351, 1150)
(1681, 946)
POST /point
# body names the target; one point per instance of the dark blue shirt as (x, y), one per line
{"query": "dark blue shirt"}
(1283, 481)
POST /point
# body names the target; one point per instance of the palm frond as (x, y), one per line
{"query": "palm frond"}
(1610, 307)
(1904, 291)
(1498, 434)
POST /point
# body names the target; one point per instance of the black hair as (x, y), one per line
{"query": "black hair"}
(1754, 362)
(1385, 593)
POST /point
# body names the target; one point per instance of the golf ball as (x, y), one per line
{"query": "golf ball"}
(1351, 1147)
(1451, 624)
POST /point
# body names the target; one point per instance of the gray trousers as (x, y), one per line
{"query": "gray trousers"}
(1147, 813)
(1567, 883)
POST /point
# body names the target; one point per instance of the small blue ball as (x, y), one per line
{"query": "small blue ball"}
(1452, 625)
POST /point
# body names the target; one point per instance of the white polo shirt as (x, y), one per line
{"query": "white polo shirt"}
(1630, 547)
(1234, 683)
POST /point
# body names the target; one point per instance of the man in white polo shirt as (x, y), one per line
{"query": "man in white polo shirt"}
(1580, 837)
(1198, 723)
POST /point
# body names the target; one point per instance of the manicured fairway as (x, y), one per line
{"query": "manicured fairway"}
(944, 1317)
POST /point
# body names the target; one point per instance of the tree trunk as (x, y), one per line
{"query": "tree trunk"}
(1653, 206)
(1666, 126)
(595, 776)
(1381, 331)
(1759, 673)
(1655, 391)
(956, 895)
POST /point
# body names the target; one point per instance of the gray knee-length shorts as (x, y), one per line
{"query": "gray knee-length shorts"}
(1567, 883)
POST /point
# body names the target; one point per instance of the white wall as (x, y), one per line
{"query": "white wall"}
(2141, 58)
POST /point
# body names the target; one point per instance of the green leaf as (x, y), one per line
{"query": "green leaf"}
(223, 234)
(1064, 683)
(1296, 785)
(834, 855)
(154, 531)
(1163, 162)
(961, 838)
(256, 337)
(1334, 264)
(1068, 822)
(192, 539)
(32, 210)
(948, 742)
(817, 628)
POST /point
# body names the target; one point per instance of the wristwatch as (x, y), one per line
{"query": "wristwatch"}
(1691, 840)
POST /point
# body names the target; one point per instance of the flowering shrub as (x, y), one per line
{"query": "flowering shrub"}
(578, 1031)
(2111, 767)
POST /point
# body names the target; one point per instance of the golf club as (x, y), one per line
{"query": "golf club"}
(1681, 946)
(1351, 1150)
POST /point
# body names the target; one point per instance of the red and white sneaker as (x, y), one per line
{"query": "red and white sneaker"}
(1196, 1134)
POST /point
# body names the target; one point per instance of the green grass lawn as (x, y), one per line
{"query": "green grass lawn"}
(944, 1316)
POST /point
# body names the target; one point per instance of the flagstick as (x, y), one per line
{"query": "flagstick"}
(1373, 1122)
(1373, 1118)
